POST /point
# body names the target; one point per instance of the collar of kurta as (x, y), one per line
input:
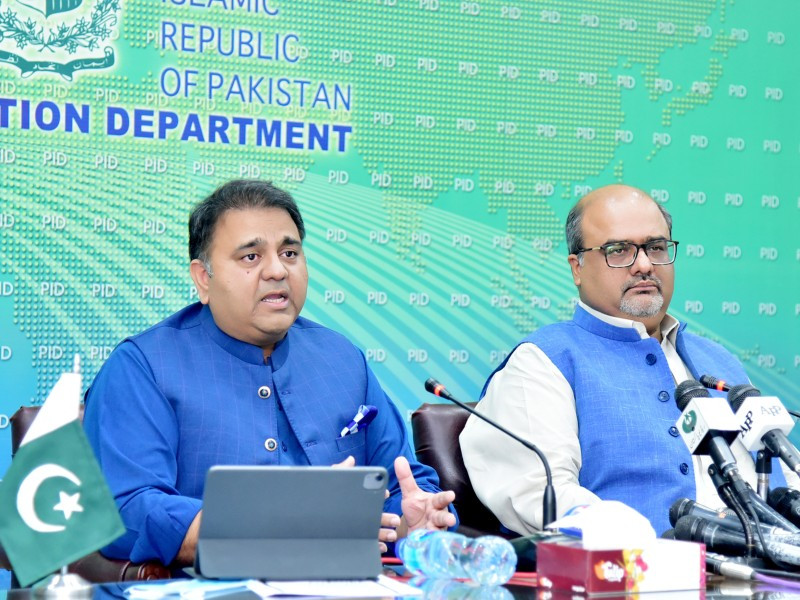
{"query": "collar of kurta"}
(242, 350)
(599, 327)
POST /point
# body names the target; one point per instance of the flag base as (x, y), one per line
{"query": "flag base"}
(66, 586)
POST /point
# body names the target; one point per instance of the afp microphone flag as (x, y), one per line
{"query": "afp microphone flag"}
(56, 506)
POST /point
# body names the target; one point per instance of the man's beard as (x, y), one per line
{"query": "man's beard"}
(641, 305)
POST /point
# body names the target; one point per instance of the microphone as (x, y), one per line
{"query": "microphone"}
(714, 384)
(738, 393)
(683, 507)
(549, 498)
(766, 513)
(725, 541)
(786, 502)
(724, 518)
(715, 537)
(764, 423)
(707, 427)
(722, 565)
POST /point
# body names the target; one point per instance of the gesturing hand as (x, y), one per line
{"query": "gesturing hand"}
(422, 509)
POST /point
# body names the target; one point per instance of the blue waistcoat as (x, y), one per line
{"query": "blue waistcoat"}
(183, 396)
(624, 400)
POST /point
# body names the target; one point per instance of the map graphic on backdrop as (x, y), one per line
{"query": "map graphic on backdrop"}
(435, 148)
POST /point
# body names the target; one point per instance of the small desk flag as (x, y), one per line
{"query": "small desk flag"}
(57, 507)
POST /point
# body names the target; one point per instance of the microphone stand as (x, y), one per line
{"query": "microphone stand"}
(549, 497)
(763, 471)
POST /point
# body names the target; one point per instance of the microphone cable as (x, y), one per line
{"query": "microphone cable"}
(746, 523)
(727, 567)
(732, 501)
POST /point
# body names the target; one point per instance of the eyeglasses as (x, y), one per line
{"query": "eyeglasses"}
(623, 254)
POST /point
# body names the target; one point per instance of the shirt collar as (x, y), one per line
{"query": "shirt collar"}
(669, 325)
(241, 350)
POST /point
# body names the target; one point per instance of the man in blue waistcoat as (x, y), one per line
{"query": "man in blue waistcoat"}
(596, 393)
(240, 378)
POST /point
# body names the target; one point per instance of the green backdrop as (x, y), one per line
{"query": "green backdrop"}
(434, 146)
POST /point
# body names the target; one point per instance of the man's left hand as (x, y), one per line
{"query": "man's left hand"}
(421, 509)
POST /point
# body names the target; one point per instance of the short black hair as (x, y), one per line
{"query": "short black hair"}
(236, 195)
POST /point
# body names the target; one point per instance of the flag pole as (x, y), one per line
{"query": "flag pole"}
(65, 585)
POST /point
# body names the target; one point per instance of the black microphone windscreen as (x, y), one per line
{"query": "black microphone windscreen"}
(689, 529)
(430, 385)
(781, 496)
(687, 391)
(669, 534)
(679, 508)
(739, 393)
(437, 389)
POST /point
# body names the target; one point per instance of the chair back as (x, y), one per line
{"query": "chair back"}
(436, 428)
(21, 422)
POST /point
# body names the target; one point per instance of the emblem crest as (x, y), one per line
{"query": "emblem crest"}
(689, 421)
(57, 36)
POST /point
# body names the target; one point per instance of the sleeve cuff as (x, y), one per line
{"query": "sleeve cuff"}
(164, 529)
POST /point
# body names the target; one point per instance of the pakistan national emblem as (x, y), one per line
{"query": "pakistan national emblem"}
(57, 36)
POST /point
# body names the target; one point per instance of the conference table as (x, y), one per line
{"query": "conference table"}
(717, 588)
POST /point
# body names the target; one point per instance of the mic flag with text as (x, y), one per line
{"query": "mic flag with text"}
(56, 506)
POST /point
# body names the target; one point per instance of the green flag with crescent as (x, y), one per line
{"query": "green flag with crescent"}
(56, 506)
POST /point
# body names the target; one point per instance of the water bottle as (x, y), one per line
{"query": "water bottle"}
(488, 560)
(449, 589)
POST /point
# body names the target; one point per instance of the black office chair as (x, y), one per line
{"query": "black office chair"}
(436, 428)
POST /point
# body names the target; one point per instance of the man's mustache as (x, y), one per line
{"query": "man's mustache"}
(634, 282)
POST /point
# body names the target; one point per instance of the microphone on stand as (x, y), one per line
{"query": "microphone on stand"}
(736, 395)
(721, 385)
(549, 498)
(713, 383)
(765, 423)
(708, 427)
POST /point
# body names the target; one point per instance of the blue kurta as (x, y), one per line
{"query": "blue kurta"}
(183, 396)
(624, 400)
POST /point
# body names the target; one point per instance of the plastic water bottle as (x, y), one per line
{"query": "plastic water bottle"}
(488, 560)
(449, 589)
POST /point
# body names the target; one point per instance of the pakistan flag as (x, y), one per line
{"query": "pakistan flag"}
(56, 506)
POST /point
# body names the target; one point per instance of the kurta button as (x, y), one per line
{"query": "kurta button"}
(271, 444)
(663, 396)
(264, 392)
(673, 431)
(684, 468)
(650, 359)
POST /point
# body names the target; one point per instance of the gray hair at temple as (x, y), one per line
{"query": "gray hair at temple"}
(238, 194)
(574, 233)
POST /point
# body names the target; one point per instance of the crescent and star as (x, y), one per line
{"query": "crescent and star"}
(68, 503)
